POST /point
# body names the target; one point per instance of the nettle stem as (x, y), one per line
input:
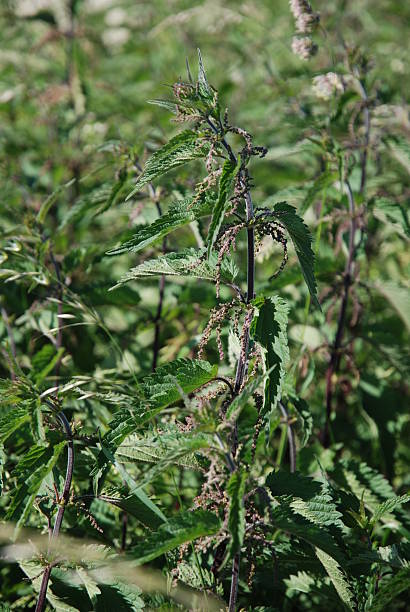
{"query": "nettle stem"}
(250, 293)
(62, 506)
(242, 364)
(336, 355)
(243, 360)
(335, 358)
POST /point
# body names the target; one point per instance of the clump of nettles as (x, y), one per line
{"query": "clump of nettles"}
(306, 21)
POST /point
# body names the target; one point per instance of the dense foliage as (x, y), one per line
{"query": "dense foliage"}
(204, 321)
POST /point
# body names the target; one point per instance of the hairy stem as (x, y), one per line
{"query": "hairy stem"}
(62, 505)
(242, 364)
(241, 370)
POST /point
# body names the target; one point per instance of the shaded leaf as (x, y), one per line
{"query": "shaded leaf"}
(185, 527)
(31, 471)
(337, 577)
(236, 518)
(390, 589)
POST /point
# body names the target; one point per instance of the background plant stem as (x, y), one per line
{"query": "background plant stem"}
(62, 505)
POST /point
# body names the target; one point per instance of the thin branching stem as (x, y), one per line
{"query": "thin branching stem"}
(335, 356)
(62, 504)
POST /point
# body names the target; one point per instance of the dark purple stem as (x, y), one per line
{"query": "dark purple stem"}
(243, 359)
(336, 349)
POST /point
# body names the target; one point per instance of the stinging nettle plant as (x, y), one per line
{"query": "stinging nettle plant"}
(181, 466)
(225, 195)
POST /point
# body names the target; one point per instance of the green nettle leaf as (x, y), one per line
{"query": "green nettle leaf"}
(136, 504)
(174, 453)
(89, 584)
(167, 104)
(337, 577)
(300, 582)
(302, 241)
(229, 171)
(236, 519)
(283, 517)
(389, 506)
(189, 262)
(12, 420)
(372, 487)
(117, 595)
(149, 449)
(269, 329)
(179, 214)
(48, 202)
(164, 386)
(390, 589)
(150, 514)
(304, 425)
(182, 148)
(185, 527)
(160, 390)
(310, 498)
(31, 471)
(94, 202)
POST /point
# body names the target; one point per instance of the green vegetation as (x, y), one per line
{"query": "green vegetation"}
(205, 307)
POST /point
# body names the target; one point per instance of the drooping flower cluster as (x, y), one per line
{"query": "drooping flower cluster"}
(305, 20)
(303, 47)
(325, 85)
(217, 317)
(304, 16)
